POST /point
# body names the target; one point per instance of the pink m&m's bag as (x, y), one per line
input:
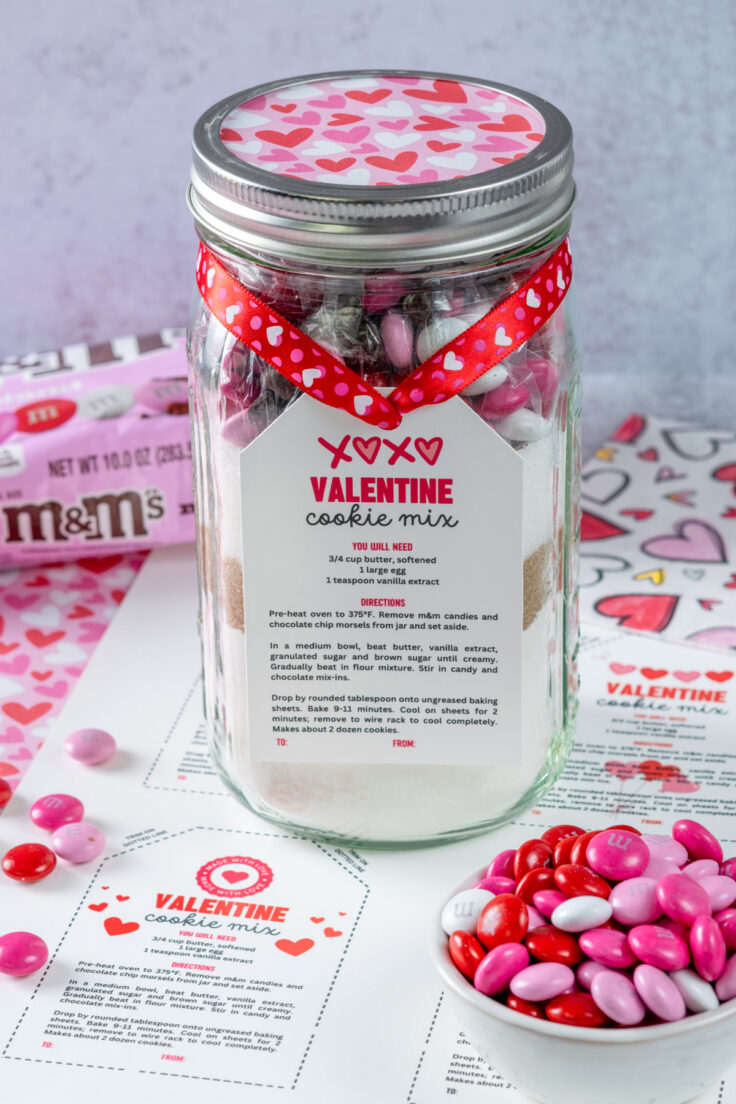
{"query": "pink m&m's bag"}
(95, 451)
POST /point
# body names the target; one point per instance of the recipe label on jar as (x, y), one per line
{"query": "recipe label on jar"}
(383, 583)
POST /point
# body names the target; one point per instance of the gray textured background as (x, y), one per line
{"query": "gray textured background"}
(99, 99)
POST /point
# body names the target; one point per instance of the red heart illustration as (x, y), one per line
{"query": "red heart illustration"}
(429, 450)
(98, 908)
(331, 933)
(400, 163)
(79, 611)
(653, 770)
(646, 612)
(5, 648)
(115, 926)
(719, 676)
(234, 876)
(117, 596)
(729, 512)
(286, 108)
(289, 140)
(431, 122)
(39, 581)
(653, 672)
(648, 454)
(42, 675)
(335, 166)
(40, 639)
(726, 474)
(732, 584)
(367, 448)
(630, 430)
(509, 123)
(341, 119)
(593, 527)
(342, 914)
(122, 897)
(445, 91)
(19, 713)
(622, 771)
(709, 603)
(98, 565)
(104, 887)
(440, 147)
(369, 97)
(316, 919)
(227, 134)
(7, 769)
(291, 947)
(638, 515)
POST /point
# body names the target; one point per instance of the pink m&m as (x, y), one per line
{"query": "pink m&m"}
(699, 842)
(665, 849)
(616, 855)
(659, 993)
(726, 984)
(682, 898)
(610, 948)
(701, 868)
(22, 953)
(90, 746)
(708, 948)
(616, 995)
(499, 966)
(53, 810)
(657, 946)
(543, 981)
(78, 843)
(634, 901)
(720, 889)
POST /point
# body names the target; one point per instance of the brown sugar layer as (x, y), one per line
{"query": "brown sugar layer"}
(537, 582)
(232, 578)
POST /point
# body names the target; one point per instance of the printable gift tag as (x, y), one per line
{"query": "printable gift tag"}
(382, 588)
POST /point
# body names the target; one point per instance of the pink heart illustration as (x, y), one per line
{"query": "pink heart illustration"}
(686, 676)
(398, 124)
(21, 753)
(621, 770)
(11, 735)
(429, 450)
(622, 668)
(679, 784)
(309, 118)
(693, 541)
(21, 601)
(357, 134)
(15, 666)
(367, 448)
(426, 176)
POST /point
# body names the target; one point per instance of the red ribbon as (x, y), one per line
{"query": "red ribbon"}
(447, 372)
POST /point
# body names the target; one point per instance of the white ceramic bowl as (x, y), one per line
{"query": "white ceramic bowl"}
(663, 1064)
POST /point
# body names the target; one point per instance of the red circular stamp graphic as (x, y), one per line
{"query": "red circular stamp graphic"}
(234, 876)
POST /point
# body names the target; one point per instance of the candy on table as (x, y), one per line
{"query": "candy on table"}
(606, 917)
(28, 862)
(6, 793)
(78, 843)
(91, 746)
(22, 953)
(53, 810)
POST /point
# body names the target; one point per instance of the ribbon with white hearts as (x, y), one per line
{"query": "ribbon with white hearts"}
(447, 372)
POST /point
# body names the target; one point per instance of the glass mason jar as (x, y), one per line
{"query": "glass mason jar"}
(385, 403)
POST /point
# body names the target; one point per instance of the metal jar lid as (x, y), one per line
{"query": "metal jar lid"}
(454, 170)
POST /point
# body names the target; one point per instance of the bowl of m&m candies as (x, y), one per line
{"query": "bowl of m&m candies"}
(597, 967)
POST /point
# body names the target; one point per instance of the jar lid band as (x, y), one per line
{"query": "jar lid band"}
(316, 372)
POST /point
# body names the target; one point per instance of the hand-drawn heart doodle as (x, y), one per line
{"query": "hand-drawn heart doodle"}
(664, 474)
(697, 442)
(643, 612)
(604, 484)
(693, 541)
(653, 770)
(593, 527)
(294, 947)
(695, 573)
(638, 515)
(708, 604)
(679, 784)
(593, 566)
(649, 454)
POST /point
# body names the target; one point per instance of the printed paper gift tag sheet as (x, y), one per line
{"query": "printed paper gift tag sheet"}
(658, 550)
(316, 979)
